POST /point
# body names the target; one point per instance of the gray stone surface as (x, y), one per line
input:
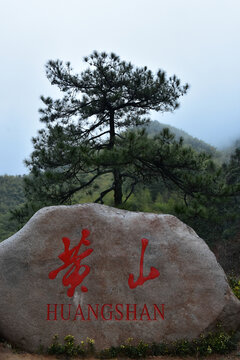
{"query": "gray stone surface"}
(191, 285)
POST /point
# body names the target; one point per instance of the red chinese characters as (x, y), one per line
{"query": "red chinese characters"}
(153, 274)
(72, 260)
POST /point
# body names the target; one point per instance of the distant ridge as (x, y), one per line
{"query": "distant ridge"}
(155, 127)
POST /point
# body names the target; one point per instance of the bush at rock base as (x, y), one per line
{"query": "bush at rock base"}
(218, 342)
(70, 348)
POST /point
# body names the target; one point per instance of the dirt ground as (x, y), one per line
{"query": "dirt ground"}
(6, 353)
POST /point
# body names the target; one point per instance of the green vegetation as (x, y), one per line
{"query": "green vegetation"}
(11, 195)
(234, 282)
(70, 349)
(218, 342)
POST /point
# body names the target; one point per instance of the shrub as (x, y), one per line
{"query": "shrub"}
(217, 342)
(68, 348)
(235, 285)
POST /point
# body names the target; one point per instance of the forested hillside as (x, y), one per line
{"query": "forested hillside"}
(155, 127)
(11, 195)
(225, 152)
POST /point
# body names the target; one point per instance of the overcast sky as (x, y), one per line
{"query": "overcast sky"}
(198, 40)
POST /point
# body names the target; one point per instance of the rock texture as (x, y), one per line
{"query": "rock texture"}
(178, 270)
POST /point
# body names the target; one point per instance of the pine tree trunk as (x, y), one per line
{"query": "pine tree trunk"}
(116, 172)
(117, 188)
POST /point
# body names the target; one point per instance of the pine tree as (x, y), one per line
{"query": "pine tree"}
(92, 131)
(84, 127)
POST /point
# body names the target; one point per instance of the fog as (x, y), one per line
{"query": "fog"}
(196, 40)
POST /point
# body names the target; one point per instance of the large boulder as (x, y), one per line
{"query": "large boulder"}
(94, 271)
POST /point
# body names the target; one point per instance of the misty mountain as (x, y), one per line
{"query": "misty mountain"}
(155, 127)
